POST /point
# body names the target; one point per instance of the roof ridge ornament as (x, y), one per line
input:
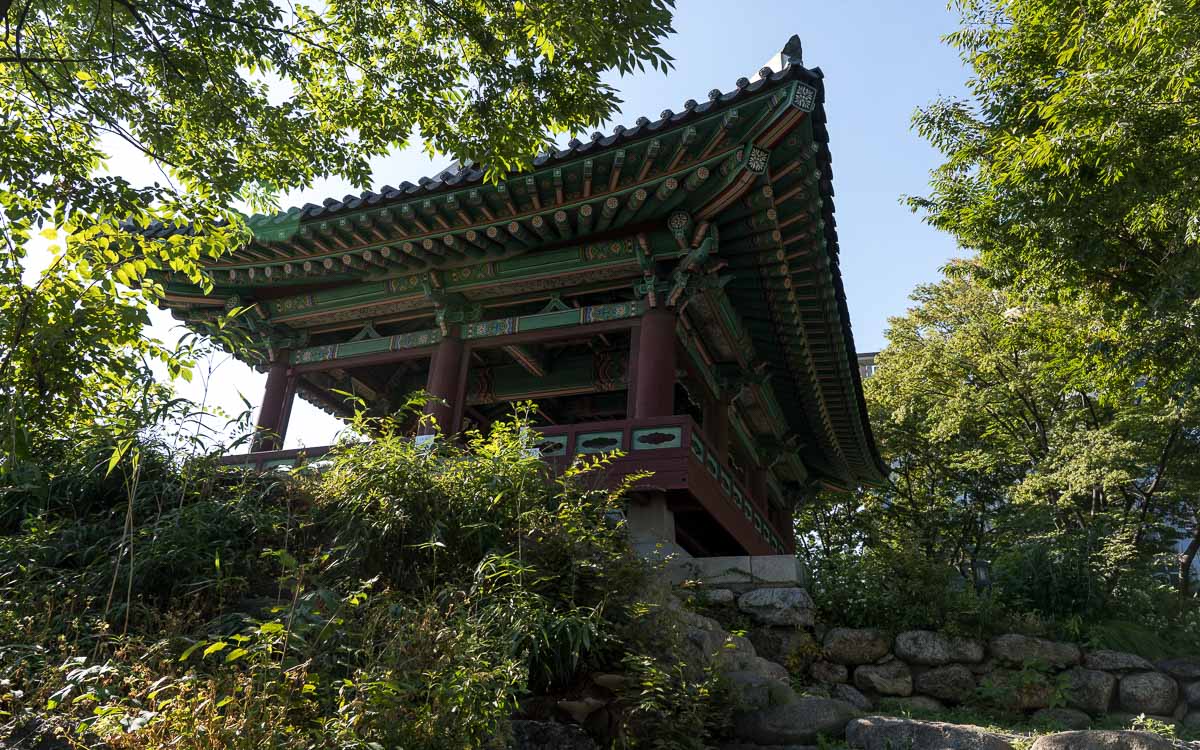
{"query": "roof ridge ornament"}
(791, 54)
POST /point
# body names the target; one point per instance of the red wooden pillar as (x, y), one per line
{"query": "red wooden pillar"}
(276, 406)
(445, 385)
(654, 393)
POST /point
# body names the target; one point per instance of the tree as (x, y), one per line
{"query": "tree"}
(1076, 493)
(1074, 167)
(234, 101)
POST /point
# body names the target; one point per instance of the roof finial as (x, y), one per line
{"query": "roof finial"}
(793, 51)
(791, 54)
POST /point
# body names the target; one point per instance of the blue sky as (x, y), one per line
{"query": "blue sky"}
(881, 60)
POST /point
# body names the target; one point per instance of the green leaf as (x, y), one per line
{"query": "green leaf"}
(191, 650)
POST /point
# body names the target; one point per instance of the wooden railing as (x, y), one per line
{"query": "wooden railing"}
(673, 448)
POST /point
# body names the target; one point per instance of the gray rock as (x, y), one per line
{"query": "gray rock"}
(1192, 720)
(717, 597)
(1191, 693)
(918, 703)
(893, 678)
(754, 691)
(953, 683)
(1021, 649)
(884, 733)
(1106, 740)
(856, 646)
(1061, 718)
(1116, 661)
(1148, 693)
(828, 672)
(935, 649)
(851, 696)
(797, 722)
(580, 709)
(792, 647)
(704, 638)
(750, 690)
(984, 667)
(1184, 668)
(782, 606)
(548, 735)
(1090, 690)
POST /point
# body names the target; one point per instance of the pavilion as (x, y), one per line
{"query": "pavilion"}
(670, 290)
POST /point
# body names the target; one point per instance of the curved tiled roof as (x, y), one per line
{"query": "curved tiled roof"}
(825, 317)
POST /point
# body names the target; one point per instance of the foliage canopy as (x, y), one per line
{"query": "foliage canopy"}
(235, 102)
(1074, 493)
(1072, 167)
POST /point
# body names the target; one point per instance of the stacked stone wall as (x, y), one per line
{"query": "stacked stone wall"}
(1062, 683)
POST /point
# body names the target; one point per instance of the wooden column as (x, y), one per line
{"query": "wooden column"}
(444, 385)
(654, 395)
(276, 406)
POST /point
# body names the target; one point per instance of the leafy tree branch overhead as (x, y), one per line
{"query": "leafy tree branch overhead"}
(238, 100)
(1072, 165)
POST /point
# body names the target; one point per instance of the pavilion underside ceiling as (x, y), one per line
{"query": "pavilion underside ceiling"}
(723, 210)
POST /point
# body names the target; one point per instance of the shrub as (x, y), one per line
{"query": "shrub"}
(401, 596)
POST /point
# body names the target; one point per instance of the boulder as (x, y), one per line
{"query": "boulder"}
(885, 733)
(781, 606)
(1022, 649)
(716, 597)
(1148, 693)
(984, 667)
(1186, 668)
(953, 683)
(1090, 690)
(792, 647)
(1106, 740)
(893, 678)
(753, 691)
(1116, 661)
(935, 649)
(548, 735)
(704, 638)
(1061, 718)
(1191, 693)
(800, 721)
(1191, 721)
(856, 645)
(828, 672)
(580, 709)
(1015, 690)
(851, 696)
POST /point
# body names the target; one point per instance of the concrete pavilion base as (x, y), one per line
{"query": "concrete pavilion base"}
(741, 573)
(652, 532)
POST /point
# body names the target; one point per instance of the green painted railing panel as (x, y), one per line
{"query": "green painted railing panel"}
(656, 438)
(599, 442)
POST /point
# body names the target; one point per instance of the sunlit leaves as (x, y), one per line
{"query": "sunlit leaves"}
(1074, 166)
(234, 102)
